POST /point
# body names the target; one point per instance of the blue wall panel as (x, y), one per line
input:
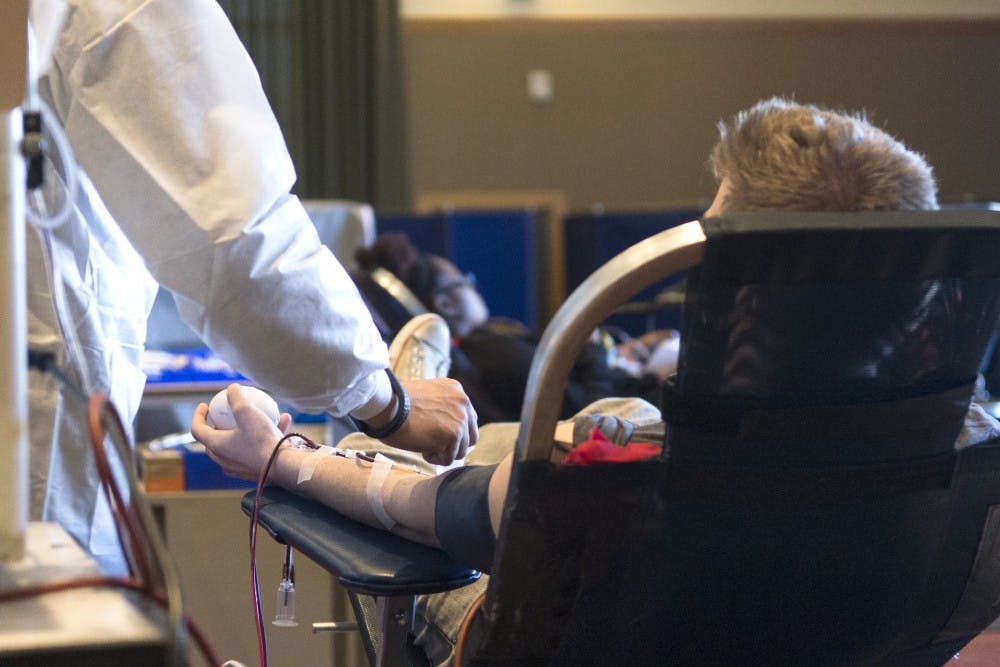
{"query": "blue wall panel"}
(593, 239)
(497, 246)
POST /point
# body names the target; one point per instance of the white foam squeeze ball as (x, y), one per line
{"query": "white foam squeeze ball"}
(220, 415)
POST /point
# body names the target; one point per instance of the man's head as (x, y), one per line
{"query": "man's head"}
(779, 155)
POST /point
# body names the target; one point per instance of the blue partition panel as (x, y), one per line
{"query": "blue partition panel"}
(429, 232)
(497, 246)
(593, 239)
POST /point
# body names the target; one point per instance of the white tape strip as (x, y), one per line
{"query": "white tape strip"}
(380, 470)
(311, 461)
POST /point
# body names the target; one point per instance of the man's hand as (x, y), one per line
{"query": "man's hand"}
(442, 424)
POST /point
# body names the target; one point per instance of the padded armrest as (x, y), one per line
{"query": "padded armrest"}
(364, 559)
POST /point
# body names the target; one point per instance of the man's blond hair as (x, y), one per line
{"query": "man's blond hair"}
(780, 155)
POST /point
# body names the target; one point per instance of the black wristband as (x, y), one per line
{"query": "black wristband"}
(398, 419)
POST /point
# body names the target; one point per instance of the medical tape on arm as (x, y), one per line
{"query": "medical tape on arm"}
(380, 471)
(308, 466)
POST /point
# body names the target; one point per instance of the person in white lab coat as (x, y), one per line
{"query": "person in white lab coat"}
(184, 181)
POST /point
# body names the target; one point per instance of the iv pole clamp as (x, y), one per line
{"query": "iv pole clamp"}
(13, 326)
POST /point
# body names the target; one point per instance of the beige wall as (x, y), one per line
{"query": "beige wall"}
(635, 102)
(695, 8)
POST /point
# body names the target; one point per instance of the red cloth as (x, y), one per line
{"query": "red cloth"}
(599, 449)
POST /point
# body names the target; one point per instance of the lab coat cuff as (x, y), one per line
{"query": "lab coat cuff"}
(378, 401)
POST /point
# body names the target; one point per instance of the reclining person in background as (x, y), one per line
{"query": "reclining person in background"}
(491, 356)
(778, 155)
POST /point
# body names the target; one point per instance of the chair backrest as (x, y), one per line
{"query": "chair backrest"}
(811, 506)
(165, 330)
(391, 303)
(343, 226)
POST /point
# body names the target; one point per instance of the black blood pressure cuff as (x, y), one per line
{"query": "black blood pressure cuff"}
(462, 516)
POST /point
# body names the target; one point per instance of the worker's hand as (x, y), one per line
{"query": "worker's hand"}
(442, 424)
(241, 451)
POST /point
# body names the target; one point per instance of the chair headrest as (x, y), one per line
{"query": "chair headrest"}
(388, 298)
(820, 308)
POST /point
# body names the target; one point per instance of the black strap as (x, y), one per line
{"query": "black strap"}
(732, 417)
(875, 480)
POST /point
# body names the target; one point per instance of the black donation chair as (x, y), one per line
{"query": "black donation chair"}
(811, 506)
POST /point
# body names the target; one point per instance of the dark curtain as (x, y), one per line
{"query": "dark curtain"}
(333, 73)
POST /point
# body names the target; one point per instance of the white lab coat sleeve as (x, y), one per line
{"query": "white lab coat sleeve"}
(167, 116)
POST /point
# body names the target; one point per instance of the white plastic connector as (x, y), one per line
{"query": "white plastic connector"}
(284, 614)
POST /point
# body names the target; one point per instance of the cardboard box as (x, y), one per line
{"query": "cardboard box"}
(161, 470)
(185, 468)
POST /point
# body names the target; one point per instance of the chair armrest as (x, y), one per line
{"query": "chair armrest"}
(364, 559)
